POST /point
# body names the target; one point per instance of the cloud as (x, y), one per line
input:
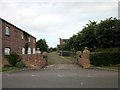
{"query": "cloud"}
(52, 19)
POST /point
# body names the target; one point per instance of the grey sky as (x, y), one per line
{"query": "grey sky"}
(52, 19)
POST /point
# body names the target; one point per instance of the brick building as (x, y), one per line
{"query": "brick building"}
(63, 41)
(14, 39)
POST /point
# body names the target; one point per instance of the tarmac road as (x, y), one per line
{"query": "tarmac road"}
(61, 78)
(61, 73)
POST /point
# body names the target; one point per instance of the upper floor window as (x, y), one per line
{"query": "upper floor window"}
(22, 36)
(7, 31)
(33, 41)
(29, 39)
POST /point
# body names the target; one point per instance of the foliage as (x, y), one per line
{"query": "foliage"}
(107, 50)
(105, 58)
(20, 64)
(108, 33)
(13, 58)
(4, 69)
(42, 45)
(87, 35)
(52, 49)
(7, 65)
(105, 34)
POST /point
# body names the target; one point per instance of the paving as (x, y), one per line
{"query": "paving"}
(61, 75)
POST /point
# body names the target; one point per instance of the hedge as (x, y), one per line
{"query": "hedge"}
(20, 64)
(15, 60)
(105, 59)
(107, 50)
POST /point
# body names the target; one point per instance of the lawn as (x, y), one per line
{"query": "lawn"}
(5, 69)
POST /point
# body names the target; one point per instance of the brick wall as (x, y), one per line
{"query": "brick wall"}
(4, 61)
(33, 60)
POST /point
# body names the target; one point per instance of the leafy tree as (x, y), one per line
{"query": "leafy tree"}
(105, 34)
(42, 45)
(72, 42)
(51, 49)
(108, 33)
(87, 35)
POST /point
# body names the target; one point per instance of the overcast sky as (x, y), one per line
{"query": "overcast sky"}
(54, 19)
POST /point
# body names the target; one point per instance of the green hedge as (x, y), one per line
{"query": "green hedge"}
(20, 64)
(107, 50)
(14, 60)
(105, 59)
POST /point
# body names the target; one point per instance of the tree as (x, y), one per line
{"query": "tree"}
(108, 33)
(42, 45)
(105, 34)
(88, 35)
(51, 49)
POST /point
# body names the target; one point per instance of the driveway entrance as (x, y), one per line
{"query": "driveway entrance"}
(62, 72)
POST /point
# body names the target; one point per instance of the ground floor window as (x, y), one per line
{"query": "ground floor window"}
(29, 50)
(23, 50)
(7, 51)
(33, 50)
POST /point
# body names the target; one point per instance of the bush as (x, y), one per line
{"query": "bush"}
(20, 64)
(13, 58)
(105, 59)
(107, 50)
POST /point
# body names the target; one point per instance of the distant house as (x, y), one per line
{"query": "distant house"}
(63, 41)
(14, 39)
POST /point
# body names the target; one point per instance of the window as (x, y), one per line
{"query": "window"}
(7, 51)
(33, 50)
(29, 50)
(7, 31)
(29, 39)
(33, 41)
(23, 50)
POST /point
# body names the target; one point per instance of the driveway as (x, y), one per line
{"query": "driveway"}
(61, 73)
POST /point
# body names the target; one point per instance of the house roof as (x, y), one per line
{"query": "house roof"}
(64, 39)
(16, 27)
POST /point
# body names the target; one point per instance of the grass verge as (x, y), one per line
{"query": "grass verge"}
(111, 68)
(6, 69)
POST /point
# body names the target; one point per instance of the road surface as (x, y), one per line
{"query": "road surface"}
(63, 74)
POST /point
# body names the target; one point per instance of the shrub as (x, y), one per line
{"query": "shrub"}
(20, 64)
(105, 58)
(107, 50)
(13, 58)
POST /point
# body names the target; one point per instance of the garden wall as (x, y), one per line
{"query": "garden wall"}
(32, 60)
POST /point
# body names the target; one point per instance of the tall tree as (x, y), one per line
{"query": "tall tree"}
(108, 33)
(42, 44)
(87, 35)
